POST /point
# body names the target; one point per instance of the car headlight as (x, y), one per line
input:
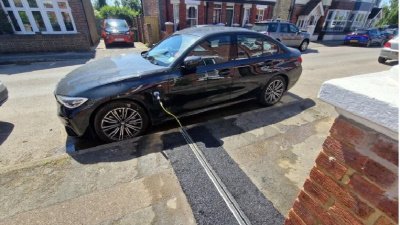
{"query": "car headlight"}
(71, 102)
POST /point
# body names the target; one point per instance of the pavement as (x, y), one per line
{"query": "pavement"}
(262, 155)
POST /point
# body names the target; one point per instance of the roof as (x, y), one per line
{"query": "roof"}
(374, 12)
(207, 30)
(309, 7)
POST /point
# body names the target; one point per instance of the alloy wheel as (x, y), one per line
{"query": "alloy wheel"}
(121, 123)
(274, 91)
(304, 46)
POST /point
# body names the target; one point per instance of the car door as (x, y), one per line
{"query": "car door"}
(285, 35)
(296, 36)
(256, 59)
(210, 82)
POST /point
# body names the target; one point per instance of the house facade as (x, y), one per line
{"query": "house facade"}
(47, 25)
(333, 19)
(188, 13)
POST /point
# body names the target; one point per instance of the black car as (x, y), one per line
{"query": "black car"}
(192, 70)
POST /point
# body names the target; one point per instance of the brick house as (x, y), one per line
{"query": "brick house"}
(332, 19)
(47, 25)
(187, 13)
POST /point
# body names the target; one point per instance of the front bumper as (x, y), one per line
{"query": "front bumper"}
(76, 121)
(120, 38)
(390, 54)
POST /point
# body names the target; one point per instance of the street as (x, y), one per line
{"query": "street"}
(262, 155)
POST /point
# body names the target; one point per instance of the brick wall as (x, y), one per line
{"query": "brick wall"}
(81, 41)
(354, 181)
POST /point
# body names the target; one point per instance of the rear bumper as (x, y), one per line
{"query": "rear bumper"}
(389, 54)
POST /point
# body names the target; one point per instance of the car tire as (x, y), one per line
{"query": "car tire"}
(116, 116)
(303, 46)
(273, 91)
(369, 43)
(381, 60)
(107, 45)
(132, 45)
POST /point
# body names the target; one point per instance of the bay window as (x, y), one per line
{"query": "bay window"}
(45, 16)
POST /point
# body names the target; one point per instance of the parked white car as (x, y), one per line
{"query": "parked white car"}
(390, 50)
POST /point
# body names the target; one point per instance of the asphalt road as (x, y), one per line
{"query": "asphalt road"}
(30, 129)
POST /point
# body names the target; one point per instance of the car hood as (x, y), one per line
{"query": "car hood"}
(104, 71)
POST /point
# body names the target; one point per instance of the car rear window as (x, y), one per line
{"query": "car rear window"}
(269, 27)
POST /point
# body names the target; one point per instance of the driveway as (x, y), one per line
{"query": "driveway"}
(261, 155)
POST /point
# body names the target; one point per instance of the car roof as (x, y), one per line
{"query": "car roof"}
(208, 30)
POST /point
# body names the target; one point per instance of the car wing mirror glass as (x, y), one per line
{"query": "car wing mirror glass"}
(191, 62)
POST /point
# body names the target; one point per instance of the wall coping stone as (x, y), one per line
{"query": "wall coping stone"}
(369, 99)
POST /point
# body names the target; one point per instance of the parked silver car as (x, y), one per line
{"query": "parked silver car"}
(390, 50)
(285, 32)
(3, 93)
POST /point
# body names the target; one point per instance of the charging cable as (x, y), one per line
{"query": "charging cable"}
(157, 95)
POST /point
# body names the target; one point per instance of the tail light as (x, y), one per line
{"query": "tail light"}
(300, 60)
(387, 45)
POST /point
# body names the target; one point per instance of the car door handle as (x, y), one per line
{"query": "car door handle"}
(224, 72)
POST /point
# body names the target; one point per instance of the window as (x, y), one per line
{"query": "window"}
(46, 16)
(191, 17)
(217, 13)
(268, 27)
(215, 49)
(358, 19)
(293, 29)
(336, 20)
(246, 16)
(284, 28)
(251, 46)
(260, 15)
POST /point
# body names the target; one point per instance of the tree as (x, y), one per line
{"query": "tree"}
(133, 4)
(98, 4)
(114, 12)
(117, 3)
(390, 13)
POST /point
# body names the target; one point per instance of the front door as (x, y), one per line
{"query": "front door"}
(210, 82)
(229, 17)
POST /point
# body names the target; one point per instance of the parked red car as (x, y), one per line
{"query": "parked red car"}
(116, 31)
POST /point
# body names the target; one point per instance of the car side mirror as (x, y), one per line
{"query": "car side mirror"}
(191, 62)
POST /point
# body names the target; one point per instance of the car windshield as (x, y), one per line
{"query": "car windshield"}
(269, 27)
(166, 52)
(116, 24)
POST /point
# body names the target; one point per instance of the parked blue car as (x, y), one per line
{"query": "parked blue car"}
(367, 37)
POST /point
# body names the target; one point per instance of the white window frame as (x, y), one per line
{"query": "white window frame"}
(333, 21)
(43, 11)
(217, 10)
(246, 16)
(260, 15)
(359, 19)
(196, 19)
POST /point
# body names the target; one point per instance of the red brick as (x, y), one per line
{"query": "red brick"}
(379, 174)
(315, 191)
(383, 221)
(344, 154)
(315, 208)
(331, 166)
(295, 219)
(307, 216)
(387, 149)
(351, 201)
(375, 196)
(347, 131)
(343, 216)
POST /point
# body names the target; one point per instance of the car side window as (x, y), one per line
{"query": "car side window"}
(252, 46)
(284, 28)
(214, 50)
(293, 29)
